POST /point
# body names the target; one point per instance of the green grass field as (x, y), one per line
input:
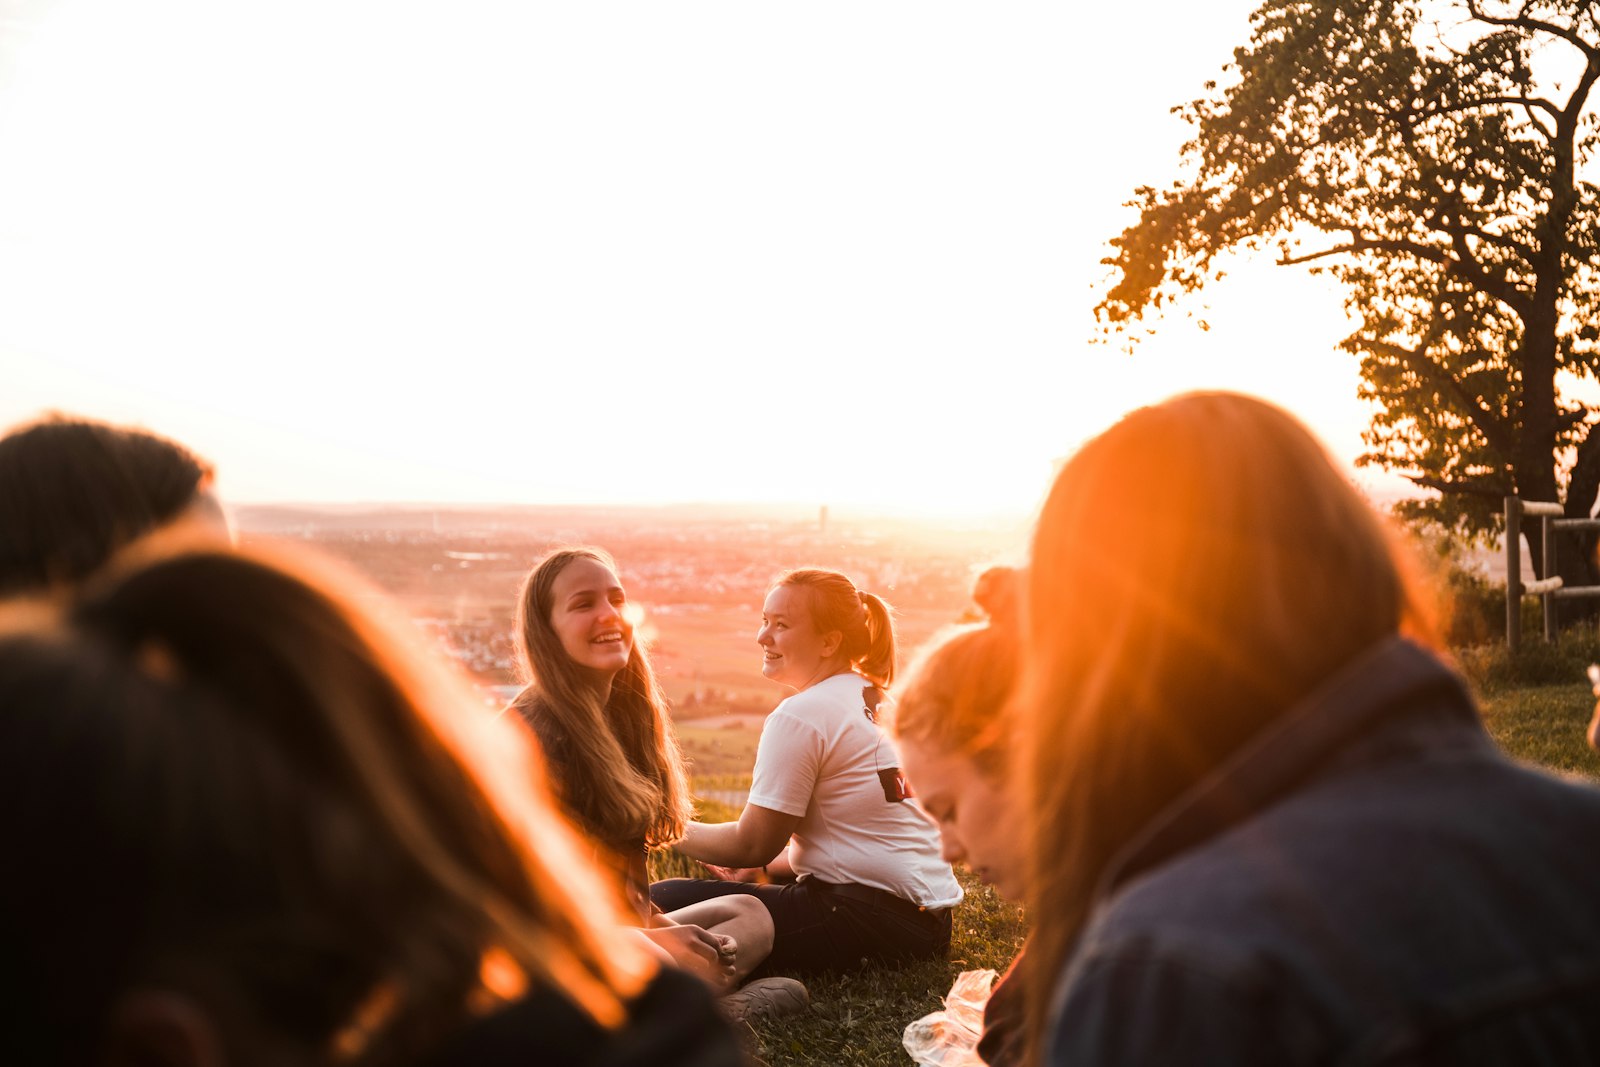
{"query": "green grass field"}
(718, 752)
(859, 1019)
(1544, 725)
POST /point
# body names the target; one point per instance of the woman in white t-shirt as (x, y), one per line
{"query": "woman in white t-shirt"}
(829, 840)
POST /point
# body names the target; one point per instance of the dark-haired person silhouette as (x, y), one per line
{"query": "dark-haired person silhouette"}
(75, 492)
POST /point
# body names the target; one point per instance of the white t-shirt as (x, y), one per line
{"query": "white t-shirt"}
(819, 758)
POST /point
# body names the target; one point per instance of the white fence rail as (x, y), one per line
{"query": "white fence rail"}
(1549, 590)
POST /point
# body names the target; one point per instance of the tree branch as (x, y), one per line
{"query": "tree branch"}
(1510, 243)
(1528, 103)
(1580, 95)
(1493, 490)
(1467, 401)
(1484, 280)
(1372, 244)
(1450, 223)
(1499, 288)
(1523, 22)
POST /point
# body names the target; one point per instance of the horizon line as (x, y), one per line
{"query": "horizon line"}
(844, 509)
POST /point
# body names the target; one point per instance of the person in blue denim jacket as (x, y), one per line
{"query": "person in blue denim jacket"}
(1267, 824)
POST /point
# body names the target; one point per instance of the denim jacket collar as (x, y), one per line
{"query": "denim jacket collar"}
(1386, 681)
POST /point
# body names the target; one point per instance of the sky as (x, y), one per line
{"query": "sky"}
(832, 253)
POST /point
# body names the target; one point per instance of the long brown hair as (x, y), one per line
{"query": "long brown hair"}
(250, 775)
(619, 771)
(1196, 570)
(862, 619)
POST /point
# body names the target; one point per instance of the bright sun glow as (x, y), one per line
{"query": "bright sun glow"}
(625, 252)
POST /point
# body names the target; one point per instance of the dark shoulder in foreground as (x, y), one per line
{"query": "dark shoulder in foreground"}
(671, 1024)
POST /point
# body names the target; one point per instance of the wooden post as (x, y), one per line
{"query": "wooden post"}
(1513, 573)
(1547, 537)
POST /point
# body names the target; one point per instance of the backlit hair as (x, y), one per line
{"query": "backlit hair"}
(1197, 569)
(73, 492)
(862, 620)
(223, 774)
(955, 694)
(618, 772)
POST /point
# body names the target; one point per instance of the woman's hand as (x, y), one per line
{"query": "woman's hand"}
(1594, 729)
(736, 874)
(778, 871)
(710, 957)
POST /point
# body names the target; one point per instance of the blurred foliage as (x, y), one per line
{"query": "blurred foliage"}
(1492, 669)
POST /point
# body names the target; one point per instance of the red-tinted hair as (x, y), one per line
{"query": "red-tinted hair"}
(1197, 569)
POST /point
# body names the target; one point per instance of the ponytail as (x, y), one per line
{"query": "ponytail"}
(876, 664)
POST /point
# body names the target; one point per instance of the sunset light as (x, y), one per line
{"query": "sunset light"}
(623, 253)
(707, 533)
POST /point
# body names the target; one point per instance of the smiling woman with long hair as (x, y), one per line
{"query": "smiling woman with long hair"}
(595, 705)
(600, 717)
(1267, 825)
(251, 821)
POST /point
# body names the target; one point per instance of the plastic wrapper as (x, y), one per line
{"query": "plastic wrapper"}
(949, 1038)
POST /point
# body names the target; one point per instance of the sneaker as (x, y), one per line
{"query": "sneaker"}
(765, 998)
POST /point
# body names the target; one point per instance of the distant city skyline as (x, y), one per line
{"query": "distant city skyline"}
(616, 254)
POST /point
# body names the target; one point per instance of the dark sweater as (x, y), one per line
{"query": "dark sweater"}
(671, 1024)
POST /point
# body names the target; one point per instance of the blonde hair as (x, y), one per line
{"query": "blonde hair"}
(619, 771)
(308, 802)
(862, 619)
(956, 690)
(1196, 570)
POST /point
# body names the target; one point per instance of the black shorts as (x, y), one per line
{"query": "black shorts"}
(820, 927)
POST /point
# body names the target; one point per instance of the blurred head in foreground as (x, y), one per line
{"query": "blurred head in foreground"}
(247, 822)
(1196, 570)
(73, 493)
(954, 742)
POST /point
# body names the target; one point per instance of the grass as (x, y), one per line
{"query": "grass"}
(718, 751)
(1537, 704)
(1544, 725)
(857, 1020)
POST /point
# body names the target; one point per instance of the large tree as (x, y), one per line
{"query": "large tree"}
(1432, 158)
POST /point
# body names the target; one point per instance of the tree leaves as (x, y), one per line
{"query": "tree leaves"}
(1428, 167)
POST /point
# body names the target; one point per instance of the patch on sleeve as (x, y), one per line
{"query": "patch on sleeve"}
(895, 786)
